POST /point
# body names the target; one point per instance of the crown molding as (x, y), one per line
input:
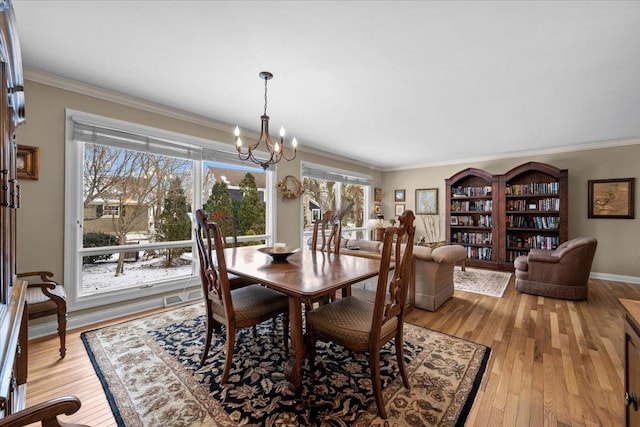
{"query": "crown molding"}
(539, 152)
(81, 88)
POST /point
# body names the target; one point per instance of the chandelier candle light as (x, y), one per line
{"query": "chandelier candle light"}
(275, 150)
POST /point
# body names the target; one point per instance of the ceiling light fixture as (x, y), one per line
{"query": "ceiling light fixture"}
(275, 150)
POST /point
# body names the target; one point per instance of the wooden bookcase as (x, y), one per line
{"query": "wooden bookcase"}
(535, 210)
(471, 218)
(499, 217)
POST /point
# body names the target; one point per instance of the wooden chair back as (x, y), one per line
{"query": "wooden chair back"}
(331, 224)
(227, 226)
(391, 295)
(213, 275)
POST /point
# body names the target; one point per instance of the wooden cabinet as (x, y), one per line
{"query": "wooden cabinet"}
(471, 215)
(499, 217)
(534, 208)
(632, 361)
(13, 337)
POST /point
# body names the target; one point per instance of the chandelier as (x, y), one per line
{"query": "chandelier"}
(275, 150)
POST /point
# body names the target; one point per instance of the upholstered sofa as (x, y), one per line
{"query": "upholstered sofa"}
(560, 273)
(433, 278)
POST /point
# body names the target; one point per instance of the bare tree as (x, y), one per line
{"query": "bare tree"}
(132, 181)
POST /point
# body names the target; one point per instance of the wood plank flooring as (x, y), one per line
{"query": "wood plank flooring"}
(553, 362)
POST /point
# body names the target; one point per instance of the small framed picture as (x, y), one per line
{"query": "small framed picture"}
(377, 209)
(454, 220)
(427, 201)
(315, 215)
(399, 195)
(399, 209)
(28, 162)
(533, 206)
(377, 195)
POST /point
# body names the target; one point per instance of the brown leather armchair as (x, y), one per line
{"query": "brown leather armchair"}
(560, 273)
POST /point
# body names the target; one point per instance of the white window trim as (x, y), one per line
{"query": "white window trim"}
(73, 213)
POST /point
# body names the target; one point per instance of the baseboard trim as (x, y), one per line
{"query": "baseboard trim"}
(79, 319)
(615, 277)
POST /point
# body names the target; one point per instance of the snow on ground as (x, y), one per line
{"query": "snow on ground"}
(100, 276)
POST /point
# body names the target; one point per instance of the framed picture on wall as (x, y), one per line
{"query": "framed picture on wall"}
(377, 195)
(398, 195)
(399, 209)
(28, 162)
(427, 201)
(377, 209)
(611, 198)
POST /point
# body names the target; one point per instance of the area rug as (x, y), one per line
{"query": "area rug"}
(149, 369)
(479, 281)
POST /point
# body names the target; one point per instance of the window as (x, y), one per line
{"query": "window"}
(236, 197)
(342, 191)
(129, 196)
(111, 211)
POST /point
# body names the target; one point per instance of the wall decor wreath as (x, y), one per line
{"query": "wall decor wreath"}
(291, 187)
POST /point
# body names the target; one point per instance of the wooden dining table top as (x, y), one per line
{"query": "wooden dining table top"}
(306, 273)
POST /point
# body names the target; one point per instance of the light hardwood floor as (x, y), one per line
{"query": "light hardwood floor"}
(553, 362)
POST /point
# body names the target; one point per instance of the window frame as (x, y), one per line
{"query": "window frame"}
(366, 180)
(73, 218)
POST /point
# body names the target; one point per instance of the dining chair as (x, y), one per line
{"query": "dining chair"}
(364, 326)
(234, 308)
(331, 223)
(47, 298)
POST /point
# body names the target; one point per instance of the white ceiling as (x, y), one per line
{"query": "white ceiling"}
(393, 84)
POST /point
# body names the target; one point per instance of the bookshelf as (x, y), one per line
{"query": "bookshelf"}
(535, 210)
(470, 209)
(500, 217)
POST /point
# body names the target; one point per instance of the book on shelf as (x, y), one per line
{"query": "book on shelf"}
(532, 188)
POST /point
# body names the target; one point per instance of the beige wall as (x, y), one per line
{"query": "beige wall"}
(41, 217)
(617, 252)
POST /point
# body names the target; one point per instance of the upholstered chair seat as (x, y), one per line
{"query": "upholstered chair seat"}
(349, 320)
(252, 301)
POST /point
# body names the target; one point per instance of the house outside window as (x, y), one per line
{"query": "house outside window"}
(130, 193)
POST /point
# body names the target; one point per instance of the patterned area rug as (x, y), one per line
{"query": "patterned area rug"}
(479, 281)
(149, 368)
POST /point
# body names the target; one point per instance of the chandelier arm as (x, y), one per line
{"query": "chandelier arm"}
(289, 158)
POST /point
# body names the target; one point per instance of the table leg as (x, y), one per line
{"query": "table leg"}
(293, 370)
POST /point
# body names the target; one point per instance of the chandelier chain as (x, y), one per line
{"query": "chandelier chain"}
(265, 96)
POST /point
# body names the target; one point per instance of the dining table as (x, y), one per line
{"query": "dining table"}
(305, 277)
